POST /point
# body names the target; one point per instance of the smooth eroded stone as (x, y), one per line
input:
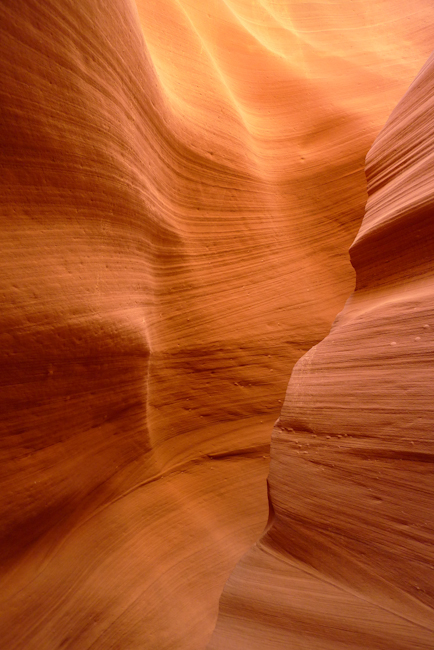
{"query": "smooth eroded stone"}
(347, 560)
(179, 188)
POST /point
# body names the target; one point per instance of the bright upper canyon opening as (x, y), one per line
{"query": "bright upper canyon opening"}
(217, 338)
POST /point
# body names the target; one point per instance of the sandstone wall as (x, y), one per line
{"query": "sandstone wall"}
(180, 183)
(348, 560)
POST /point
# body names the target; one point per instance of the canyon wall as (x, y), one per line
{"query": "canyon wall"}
(347, 560)
(180, 183)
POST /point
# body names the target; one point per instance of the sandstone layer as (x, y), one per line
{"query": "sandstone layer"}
(180, 182)
(347, 560)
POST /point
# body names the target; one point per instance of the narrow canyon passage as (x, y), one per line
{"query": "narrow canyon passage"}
(347, 560)
(181, 182)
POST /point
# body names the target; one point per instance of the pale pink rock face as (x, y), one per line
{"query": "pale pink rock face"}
(180, 184)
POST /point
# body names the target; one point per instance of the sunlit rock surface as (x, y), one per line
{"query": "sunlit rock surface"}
(180, 183)
(347, 560)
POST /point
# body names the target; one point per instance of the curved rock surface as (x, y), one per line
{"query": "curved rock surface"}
(347, 560)
(179, 188)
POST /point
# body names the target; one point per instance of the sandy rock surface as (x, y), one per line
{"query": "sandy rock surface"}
(180, 184)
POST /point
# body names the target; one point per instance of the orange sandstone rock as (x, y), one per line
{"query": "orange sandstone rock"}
(179, 184)
(347, 560)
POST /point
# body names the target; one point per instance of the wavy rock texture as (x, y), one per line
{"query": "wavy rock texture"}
(180, 182)
(347, 560)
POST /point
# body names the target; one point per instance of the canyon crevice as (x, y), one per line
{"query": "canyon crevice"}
(180, 184)
(347, 560)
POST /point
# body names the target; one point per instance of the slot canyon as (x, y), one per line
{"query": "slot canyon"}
(217, 325)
